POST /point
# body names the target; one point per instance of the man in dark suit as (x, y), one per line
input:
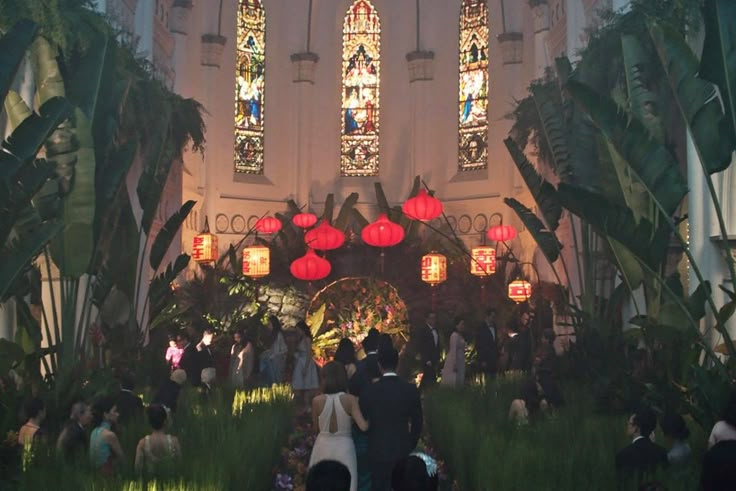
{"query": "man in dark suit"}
(641, 455)
(394, 410)
(485, 343)
(719, 467)
(72, 442)
(428, 345)
(190, 358)
(129, 405)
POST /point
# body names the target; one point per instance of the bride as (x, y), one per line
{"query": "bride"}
(333, 412)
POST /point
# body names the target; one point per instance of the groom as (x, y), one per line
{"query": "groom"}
(394, 410)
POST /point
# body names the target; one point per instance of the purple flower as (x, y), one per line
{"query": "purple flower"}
(283, 481)
(301, 451)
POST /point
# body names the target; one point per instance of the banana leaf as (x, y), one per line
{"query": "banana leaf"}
(16, 109)
(18, 256)
(11, 355)
(293, 207)
(167, 234)
(383, 206)
(543, 192)
(329, 207)
(551, 117)
(655, 166)
(360, 221)
(546, 240)
(109, 182)
(49, 81)
(159, 154)
(13, 46)
(696, 98)
(343, 217)
(16, 194)
(161, 285)
(641, 101)
(718, 62)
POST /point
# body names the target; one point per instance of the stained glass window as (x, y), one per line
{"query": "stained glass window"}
(473, 103)
(250, 78)
(361, 76)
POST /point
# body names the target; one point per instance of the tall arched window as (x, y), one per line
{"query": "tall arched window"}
(361, 77)
(250, 83)
(473, 106)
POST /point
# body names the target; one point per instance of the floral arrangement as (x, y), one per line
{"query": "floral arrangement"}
(348, 308)
(291, 473)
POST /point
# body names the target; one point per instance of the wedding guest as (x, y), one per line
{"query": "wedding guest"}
(104, 446)
(369, 365)
(328, 475)
(304, 379)
(545, 359)
(204, 349)
(129, 405)
(429, 347)
(641, 455)
(158, 451)
(208, 377)
(72, 441)
(725, 428)
(31, 431)
(394, 410)
(168, 393)
(189, 361)
(539, 395)
(357, 380)
(332, 415)
(719, 467)
(486, 344)
(242, 359)
(520, 344)
(273, 360)
(675, 429)
(417, 472)
(453, 373)
(173, 353)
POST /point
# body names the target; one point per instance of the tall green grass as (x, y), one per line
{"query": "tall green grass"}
(227, 443)
(573, 449)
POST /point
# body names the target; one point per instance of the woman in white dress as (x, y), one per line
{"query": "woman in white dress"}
(241, 360)
(453, 373)
(304, 379)
(333, 413)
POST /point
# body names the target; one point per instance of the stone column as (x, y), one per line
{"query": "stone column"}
(303, 67)
(421, 71)
(540, 11)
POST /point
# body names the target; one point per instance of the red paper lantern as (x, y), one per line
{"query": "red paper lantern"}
(304, 220)
(483, 261)
(520, 290)
(310, 267)
(324, 237)
(501, 233)
(268, 225)
(422, 207)
(434, 268)
(204, 247)
(256, 261)
(382, 233)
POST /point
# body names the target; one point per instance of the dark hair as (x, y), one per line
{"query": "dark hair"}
(490, 310)
(674, 426)
(457, 320)
(345, 353)
(410, 474)
(275, 323)
(388, 359)
(183, 334)
(530, 395)
(431, 312)
(335, 378)
(645, 420)
(549, 335)
(551, 391)
(729, 412)
(328, 475)
(34, 407)
(100, 407)
(156, 416)
(304, 328)
(370, 342)
(239, 332)
(126, 382)
(385, 342)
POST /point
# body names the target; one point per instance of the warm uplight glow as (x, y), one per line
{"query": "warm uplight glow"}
(204, 248)
(256, 261)
(483, 261)
(434, 269)
(520, 291)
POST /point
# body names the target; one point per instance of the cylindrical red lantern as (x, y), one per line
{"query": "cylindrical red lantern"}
(268, 225)
(501, 233)
(310, 267)
(483, 261)
(422, 207)
(304, 220)
(324, 237)
(434, 268)
(256, 261)
(382, 233)
(204, 248)
(520, 290)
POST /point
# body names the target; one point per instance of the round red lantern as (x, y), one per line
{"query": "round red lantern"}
(501, 233)
(268, 225)
(310, 267)
(520, 290)
(382, 233)
(304, 220)
(422, 207)
(324, 237)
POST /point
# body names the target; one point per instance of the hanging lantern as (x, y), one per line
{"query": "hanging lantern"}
(324, 237)
(434, 268)
(382, 233)
(304, 220)
(501, 233)
(204, 245)
(483, 261)
(422, 207)
(256, 261)
(520, 291)
(268, 225)
(310, 267)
